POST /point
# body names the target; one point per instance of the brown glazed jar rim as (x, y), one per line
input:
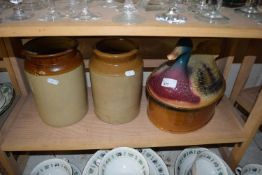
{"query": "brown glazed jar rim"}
(102, 52)
(31, 48)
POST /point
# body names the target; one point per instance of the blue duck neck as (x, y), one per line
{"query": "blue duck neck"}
(183, 58)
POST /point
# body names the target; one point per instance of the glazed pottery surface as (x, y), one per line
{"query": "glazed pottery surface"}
(55, 72)
(116, 80)
(184, 91)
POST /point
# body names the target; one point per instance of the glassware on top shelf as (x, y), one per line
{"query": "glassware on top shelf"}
(178, 4)
(212, 15)
(85, 14)
(33, 4)
(198, 6)
(258, 16)
(155, 5)
(251, 7)
(4, 5)
(70, 11)
(129, 14)
(110, 4)
(52, 14)
(19, 13)
(172, 16)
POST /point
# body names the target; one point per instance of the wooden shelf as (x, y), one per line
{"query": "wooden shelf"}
(29, 133)
(247, 97)
(238, 26)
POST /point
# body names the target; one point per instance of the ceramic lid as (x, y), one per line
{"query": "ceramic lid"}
(186, 81)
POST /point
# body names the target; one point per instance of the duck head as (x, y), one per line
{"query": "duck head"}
(182, 51)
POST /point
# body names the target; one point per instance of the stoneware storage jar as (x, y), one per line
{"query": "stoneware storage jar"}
(184, 91)
(55, 72)
(116, 80)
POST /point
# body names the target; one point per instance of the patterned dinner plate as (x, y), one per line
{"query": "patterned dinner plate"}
(185, 160)
(75, 169)
(9, 94)
(155, 163)
(93, 163)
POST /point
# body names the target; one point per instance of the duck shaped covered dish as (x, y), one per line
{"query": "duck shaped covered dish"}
(184, 91)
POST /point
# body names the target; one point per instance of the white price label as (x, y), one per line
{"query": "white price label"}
(168, 82)
(52, 81)
(130, 73)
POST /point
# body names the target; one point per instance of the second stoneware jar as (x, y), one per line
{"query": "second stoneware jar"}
(55, 72)
(116, 80)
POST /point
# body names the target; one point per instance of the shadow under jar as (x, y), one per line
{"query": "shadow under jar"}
(116, 80)
(55, 72)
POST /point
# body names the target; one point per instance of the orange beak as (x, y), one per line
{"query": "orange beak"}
(174, 54)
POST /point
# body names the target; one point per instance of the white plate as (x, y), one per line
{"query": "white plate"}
(185, 160)
(229, 171)
(93, 163)
(155, 163)
(75, 169)
(9, 94)
(52, 167)
(208, 163)
(123, 160)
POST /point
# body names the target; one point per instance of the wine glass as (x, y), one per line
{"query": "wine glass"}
(199, 6)
(129, 14)
(4, 5)
(172, 16)
(152, 5)
(212, 15)
(33, 5)
(70, 11)
(85, 14)
(249, 8)
(19, 13)
(52, 14)
(110, 4)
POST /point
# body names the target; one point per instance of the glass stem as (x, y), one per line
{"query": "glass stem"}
(85, 7)
(51, 6)
(18, 9)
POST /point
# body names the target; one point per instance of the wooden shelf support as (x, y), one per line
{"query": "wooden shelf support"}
(250, 129)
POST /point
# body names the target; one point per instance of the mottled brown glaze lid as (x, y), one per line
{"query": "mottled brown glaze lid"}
(51, 55)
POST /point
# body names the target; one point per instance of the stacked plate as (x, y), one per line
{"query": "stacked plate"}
(203, 159)
(55, 166)
(104, 162)
(7, 94)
